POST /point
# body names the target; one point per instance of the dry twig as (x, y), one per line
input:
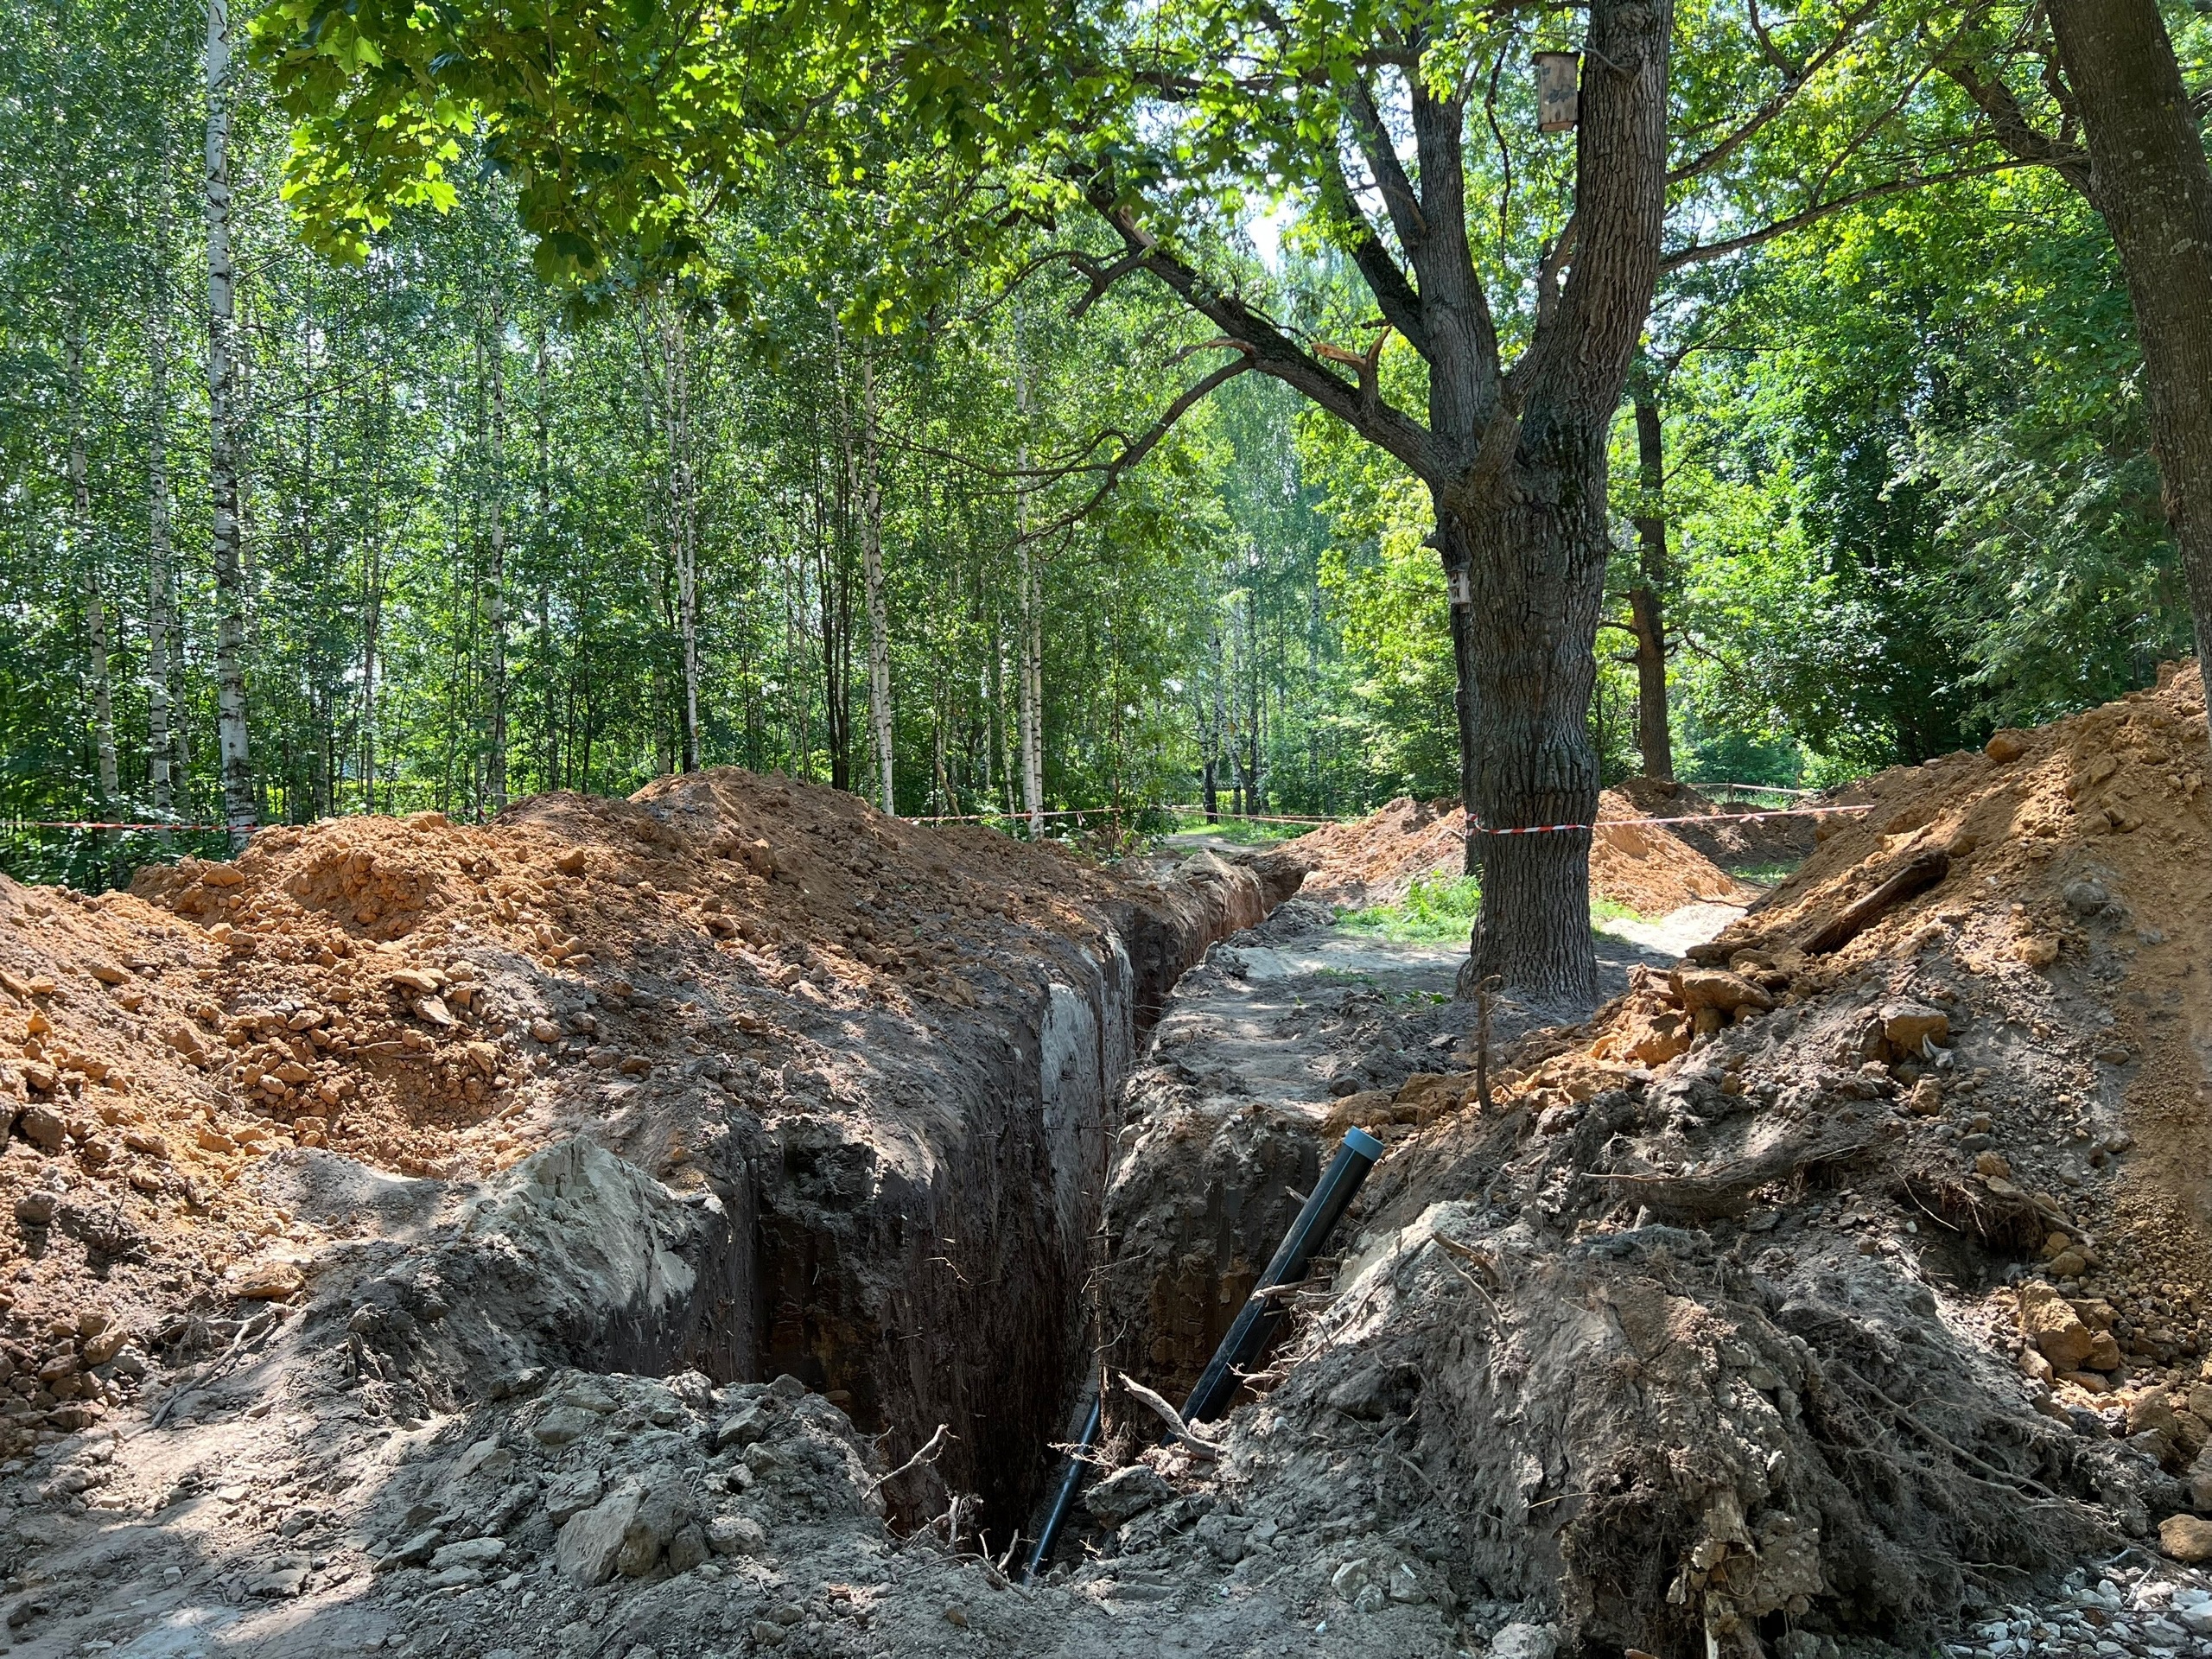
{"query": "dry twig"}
(1167, 1414)
(931, 1450)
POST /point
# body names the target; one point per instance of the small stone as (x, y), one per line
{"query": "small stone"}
(43, 1127)
(571, 1495)
(2050, 1322)
(1907, 1026)
(957, 1615)
(663, 1510)
(1926, 1099)
(1992, 1163)
(2069, 1264)
(1125, 1494)
(687, 1549)
(413, 1552)
(1717, 990)
(564, 1424)
(2007, 745)
(748, 1426)
(470, 1552)
(1519, 1641)
(735, 1535)
(283, 1583)
(36, 1209)
(2085, 897)
(589, 1544)
(765, 1633)
(268, 1282)
(2186, 1538)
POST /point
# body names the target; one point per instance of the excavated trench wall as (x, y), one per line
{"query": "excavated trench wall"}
(937, 1275)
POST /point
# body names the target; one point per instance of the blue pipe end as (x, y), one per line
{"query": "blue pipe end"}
(1364, 1144)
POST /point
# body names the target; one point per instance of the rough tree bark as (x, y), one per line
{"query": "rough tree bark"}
(1514, 460)
(879, 627)
(1655, 738)
(223, 424)
(2148, 177)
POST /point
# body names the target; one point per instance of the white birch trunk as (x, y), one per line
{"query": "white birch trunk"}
(80, 543)
(495, 604)
(879, 627)
(223, 437)
(160, 607)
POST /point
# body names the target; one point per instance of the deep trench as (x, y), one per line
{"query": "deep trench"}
(962, 1298)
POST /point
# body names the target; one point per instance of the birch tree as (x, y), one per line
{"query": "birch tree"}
(223, 437)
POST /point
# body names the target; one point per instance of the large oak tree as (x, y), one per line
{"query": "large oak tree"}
(1510, 273)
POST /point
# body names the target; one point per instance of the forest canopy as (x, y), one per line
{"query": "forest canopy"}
(812, 389)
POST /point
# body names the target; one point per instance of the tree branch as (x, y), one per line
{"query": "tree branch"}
(1697, 253)
(1796, 76)
(1134, 453)
(2009, 126)
(1381, 157)
(1269, 350)
(1393, 292)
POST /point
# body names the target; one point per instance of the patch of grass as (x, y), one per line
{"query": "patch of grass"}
(1435, 908)
(1766, 875)
(1442, 908)
(1238, 831)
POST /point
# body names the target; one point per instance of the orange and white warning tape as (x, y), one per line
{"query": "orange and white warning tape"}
(1476, 827)
(87, 824)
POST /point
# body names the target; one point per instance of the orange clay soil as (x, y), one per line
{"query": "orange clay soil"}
(433, 999)
(1373, 861)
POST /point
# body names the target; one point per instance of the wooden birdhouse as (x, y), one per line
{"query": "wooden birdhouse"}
(1558, 91)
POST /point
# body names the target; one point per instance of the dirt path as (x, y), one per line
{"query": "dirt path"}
(1301, 1010)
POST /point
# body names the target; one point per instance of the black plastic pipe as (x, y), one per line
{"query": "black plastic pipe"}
(1070, 1483)
(1257, 1320)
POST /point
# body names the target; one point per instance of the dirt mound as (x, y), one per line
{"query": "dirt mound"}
(836, 1025)
(1736, 839)
(1803, 1294)
(1375, 859)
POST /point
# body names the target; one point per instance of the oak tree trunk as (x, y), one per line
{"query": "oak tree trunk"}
(1537, 559)
(1647, 612)
(223, 435)
(2148, 177)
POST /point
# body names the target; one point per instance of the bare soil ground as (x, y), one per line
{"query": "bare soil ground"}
(1373, 861)
(567, 1237)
